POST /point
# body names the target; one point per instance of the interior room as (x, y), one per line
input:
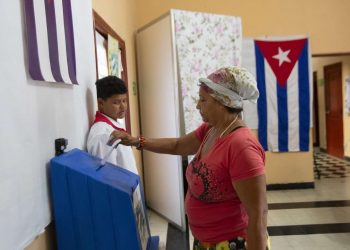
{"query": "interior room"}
(45, 102)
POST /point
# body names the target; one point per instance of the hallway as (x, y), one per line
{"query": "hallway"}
(309, 219)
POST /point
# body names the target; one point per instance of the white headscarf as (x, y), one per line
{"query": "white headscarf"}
(232, 85)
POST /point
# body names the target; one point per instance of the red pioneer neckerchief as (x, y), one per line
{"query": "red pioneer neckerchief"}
(99, 117)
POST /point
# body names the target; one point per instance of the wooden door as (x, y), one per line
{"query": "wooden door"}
(334, 109)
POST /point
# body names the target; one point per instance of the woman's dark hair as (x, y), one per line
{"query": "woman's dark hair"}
(234, 110)
(109, 86)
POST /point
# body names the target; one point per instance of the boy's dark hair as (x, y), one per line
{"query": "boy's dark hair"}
(109, 86)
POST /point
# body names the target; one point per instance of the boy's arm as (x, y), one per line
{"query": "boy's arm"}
(97, 141)
(97, 146)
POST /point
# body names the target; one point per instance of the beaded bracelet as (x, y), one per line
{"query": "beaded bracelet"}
(141, 142)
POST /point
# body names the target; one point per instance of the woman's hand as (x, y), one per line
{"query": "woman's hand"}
(125, 138)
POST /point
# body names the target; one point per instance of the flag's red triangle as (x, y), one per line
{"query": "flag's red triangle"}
(281, 56)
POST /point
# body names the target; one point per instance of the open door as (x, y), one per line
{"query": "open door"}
(334, 109)
(160, 115)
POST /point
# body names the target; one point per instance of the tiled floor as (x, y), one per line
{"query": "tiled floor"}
(331, 167)
(309, 219)
(311, 225)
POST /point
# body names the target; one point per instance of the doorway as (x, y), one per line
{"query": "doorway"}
(334, 109)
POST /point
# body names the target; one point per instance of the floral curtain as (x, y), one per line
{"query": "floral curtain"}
(204, 43)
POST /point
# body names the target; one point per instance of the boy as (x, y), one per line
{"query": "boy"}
(112, 105)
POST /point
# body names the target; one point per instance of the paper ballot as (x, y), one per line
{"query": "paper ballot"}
(113, 145)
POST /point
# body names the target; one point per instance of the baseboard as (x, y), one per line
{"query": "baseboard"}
(44, 241)
(300, 185)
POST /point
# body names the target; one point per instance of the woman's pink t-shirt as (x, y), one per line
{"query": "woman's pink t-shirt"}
(214, 210)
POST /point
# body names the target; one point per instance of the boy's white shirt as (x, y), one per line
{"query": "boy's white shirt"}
(99, 134)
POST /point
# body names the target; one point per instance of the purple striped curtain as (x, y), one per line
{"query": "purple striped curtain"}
(50, 40)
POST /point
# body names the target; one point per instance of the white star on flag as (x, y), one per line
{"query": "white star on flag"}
(282, 56)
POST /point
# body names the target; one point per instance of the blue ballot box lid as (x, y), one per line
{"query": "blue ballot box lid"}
(91, 166)
(95, 209)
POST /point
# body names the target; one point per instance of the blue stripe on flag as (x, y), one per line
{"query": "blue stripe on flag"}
(282, 111)
(262, 105)
(304, 99)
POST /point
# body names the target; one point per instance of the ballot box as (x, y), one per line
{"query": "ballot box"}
(97, 207)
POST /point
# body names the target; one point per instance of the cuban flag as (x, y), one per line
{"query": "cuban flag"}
(283, 73)
(50, 40)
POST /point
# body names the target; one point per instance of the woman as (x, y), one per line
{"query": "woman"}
(226, 199)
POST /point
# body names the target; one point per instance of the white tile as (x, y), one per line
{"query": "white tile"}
(340, 241)
(306, 216)
(325, 189)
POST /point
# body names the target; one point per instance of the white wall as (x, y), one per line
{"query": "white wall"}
(33, 115)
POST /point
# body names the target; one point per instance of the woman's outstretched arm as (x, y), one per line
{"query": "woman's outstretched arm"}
(185, 145)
